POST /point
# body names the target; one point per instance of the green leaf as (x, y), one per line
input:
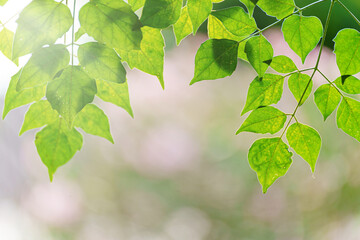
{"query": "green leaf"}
(111, 22)
(351, 85)
(41, 22)
(270, 159)
(306, 142)
(150, 57)
(217, 1)
(348, 117)
(101, 62)
(6, 44)
(216, 58)
(15, 99)
(233, 22)
(277, 8)
(115, 93)
(39, 114)
(264, 91)
(70, 92)
(94, 121)
(161, 13)
(283, 64)
(136, 4)
(43, 66)
(250, 5)
(347, 50)
(199, 10)
(327, 98)
(183, 26)
(302, 34)
(264, 120)
(297, 85)
(2, 2)
(260, 53)
(57, 144)
(241, 51)
(80, 32)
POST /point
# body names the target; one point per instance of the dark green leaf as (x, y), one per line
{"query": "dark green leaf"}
(249, 4)
(270, 159)
(327, 98)
(41, 22)
(264, 91)
(306, 142)
(298, 82)
(277, 8)
(57, 144)
(302, 34)
(183, 26)
(111, 22)
(43, 65)
(348, 117)
(264, 120)
(283, 64)
(199, 10)
(6, 44)
(101, 62)
(70, 92)
(259, 53)
(215, 59)
(351, 85)
(93, 120)
(161, 13)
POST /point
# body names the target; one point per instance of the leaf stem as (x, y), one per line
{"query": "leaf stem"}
(330, 82)
(348, 10)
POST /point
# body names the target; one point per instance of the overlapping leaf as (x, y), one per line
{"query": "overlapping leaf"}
(350, 85)
(161, 13)
(327, 98)
(183, 26)
(136, 4)
(298, 83)
(259, 52)
(283, 64)
(277, 8)
(348, 117)
(6, 43)
(199, 10)
(250, 5)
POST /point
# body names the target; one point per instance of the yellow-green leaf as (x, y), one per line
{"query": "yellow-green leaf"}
(6, 44)
(348, 117)
(183, 26)
(283, 64)
(199, 10)
(259, 52)
(327, 98)
(350, 85)
(298, 82)
(277, 8)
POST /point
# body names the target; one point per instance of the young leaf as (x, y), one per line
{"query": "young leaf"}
(327, 98)
(161, 13)
(348, 117)
(6, 44)
(15, 99)
(250, 5)
(136, 4)
(259, 53)
(264, 91)
(41, 22)
(235, 21)
(277, 8)
(101, 62)
(283, 64)
(270, 159)
(297, 85)
(216, 58)
(70, 92)
(347, 50)
(302, 34)
(183, 26)
(111, 22)
(94, 121)
(117, 94)
(306, 142)
(80, 32)
(264, 120)
(42, 66)
(199, 10)
(57, 144)
(351, 85)
(39, 114)
(150, 57)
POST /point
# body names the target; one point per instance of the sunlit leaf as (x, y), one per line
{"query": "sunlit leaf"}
(101, 62)
(150, 57)
(347, 50)
(298, 82)
(264, 120)
(136, 4)
(2, 2)
(306, 142)
(80, 32)
(199, 10)
(283, 64)
(43, 65)
(327, 98)
(6, 43)
(111, 22)
(57, 144)
(350, 85)
(264, 91)
(93, 120)
(250, 5)
(39, 114)
(241, 51)
(270, 159)
(70, 92)
(183, 26)
(348, 117)
(302, 34)
(277, 8)
(41, 22)
(161, 13)
(259, 53)
(215, 59)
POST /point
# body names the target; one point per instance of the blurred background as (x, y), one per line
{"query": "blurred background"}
(177, 171)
